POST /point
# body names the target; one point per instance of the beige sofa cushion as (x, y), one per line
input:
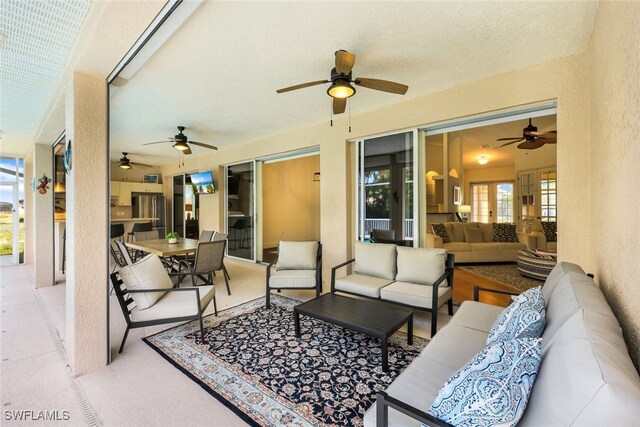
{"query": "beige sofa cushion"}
(415, 295)
(422, 266)
(148, 273)
(473, 235)
(293, 279)
(297, 255)
(558, 272)
(376, 259)
(457, 246)
(457, 229)
(368, 286)
(176, 304)
(487, 231)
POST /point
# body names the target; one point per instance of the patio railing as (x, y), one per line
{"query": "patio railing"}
(385, 224)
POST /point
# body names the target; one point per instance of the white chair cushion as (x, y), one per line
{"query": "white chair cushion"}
(476, 315)
(297, 255)
(415, 295)
(148, 273)
(293, 279)
(176, 304)
(422, 266)
(360, 284)
(558, 272)
(376, 259)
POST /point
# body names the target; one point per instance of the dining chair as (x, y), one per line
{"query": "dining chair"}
(209, 258)
(217, 237)
(117, 231)
(205, 236)
(377, 235)
(140, 236)
(240, 227)
(138, 227)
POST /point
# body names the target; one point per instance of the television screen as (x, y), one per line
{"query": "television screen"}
(203, 183)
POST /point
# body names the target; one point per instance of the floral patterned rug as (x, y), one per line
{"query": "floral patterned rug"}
(252, 362)
(507, 274)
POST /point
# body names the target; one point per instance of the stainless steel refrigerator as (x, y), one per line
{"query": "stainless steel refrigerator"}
(151, 206)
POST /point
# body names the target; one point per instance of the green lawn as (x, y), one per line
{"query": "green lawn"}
(6, 235)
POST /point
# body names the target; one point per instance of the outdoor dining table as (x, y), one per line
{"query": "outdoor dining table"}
(163, 248)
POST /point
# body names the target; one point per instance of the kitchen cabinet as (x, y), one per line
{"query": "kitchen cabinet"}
(115, 189)
(124, 197)
(141, 187)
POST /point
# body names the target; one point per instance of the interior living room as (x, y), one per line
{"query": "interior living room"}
(208, 212)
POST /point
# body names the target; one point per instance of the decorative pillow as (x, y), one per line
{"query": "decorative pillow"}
(297, 255)
(441, 231)
(487, 231)
(473, 235)
(422, 266)
(376, 259)
(457, 230)
(148, 273)
(525, 317)
(550, 229)
(504, 232)
(493, 388)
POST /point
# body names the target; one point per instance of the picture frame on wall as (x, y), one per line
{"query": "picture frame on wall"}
(457, 195)
(150, 179)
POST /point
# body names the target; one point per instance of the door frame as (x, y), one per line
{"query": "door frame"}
(14, 258)
(254, 217)
(493, 203)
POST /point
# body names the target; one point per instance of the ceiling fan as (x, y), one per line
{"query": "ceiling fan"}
(125, 163)
(180, 142)
(531, 138)
(341, 79)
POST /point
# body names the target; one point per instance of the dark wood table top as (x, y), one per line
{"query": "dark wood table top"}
(367, 316)
(163, 248)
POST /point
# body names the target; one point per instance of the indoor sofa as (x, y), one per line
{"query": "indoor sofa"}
(586, 377)
(473, 242)
(413, 277)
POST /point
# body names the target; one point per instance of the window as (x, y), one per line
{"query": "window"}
(504, 202)
(488, 198)
(480, 203)
(548, 190)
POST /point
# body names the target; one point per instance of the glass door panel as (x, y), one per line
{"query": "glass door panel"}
(240, 191)
(9, 224)
(492, 202)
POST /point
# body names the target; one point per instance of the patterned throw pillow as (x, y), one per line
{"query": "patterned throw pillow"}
(504, 232)
(524, 318)
(550, 229)
(441, 231)
(493, 388)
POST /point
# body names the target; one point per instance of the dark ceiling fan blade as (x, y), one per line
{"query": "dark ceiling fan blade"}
(344, 61)
(339, 105)
(383, 85)
(140, 164)
(530, 145)
(547, 140)
(509, 143)
(551, 133)
(508, 139)
(157, 142)
(187, 151)
(200, 144)
(302, 86)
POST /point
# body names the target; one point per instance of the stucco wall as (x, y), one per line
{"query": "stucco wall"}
(614, 122)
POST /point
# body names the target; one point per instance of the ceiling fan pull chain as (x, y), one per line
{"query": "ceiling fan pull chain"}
(331, 111)
(349, 104)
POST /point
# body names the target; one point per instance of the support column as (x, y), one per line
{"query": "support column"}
(43, 218)
(87, 223)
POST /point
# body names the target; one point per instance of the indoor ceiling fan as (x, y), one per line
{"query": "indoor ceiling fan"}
(341, 79)
(125, 163)
(531, 138)
(180, 142)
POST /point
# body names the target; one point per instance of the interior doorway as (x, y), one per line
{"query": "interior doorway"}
(290, 202)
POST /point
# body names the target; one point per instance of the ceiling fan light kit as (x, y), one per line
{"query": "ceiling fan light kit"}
(483, 160)
(181, 145)
(341, 89)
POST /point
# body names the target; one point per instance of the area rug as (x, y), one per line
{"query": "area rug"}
(506, 274)
(252, 362)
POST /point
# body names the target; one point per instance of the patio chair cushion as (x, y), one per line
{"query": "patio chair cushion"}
(414, 295)
(293, 279)
(148, 273)
(297, 255)
(360, 284)
(376, 259)
(175, 304)
(422, 266)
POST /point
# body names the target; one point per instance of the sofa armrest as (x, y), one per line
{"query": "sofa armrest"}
(384, 402)
(333, 273)
(433, 241)
(528, 239)
(477, 289)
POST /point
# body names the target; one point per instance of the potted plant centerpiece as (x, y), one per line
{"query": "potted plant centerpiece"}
(172, 237)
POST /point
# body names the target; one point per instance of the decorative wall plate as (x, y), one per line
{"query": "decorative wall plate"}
(67, 158)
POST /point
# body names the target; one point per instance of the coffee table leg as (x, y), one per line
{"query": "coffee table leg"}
(385, 355)
(296, 323)
(410, 330)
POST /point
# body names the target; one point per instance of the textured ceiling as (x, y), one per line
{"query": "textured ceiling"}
(39, 35)
(218, 73)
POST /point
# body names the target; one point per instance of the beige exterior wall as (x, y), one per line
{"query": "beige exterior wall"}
(614, 123)
(290, 201)
(43, 218)
(563, 79)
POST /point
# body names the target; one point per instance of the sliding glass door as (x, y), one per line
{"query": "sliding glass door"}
(240, 210)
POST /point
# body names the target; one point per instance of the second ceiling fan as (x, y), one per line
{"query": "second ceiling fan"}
(180, 142)
(341, 79)
(531, 138)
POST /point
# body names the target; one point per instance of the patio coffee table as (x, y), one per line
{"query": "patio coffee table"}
(372, 318)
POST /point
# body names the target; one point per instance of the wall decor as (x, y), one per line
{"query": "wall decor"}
(150, 179)
(67, 158)
(42, 184)
(457, 195)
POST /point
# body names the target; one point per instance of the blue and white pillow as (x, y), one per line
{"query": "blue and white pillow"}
(493, 388)
(524, 318)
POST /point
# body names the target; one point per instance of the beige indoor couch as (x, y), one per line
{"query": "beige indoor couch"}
(485, 251)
